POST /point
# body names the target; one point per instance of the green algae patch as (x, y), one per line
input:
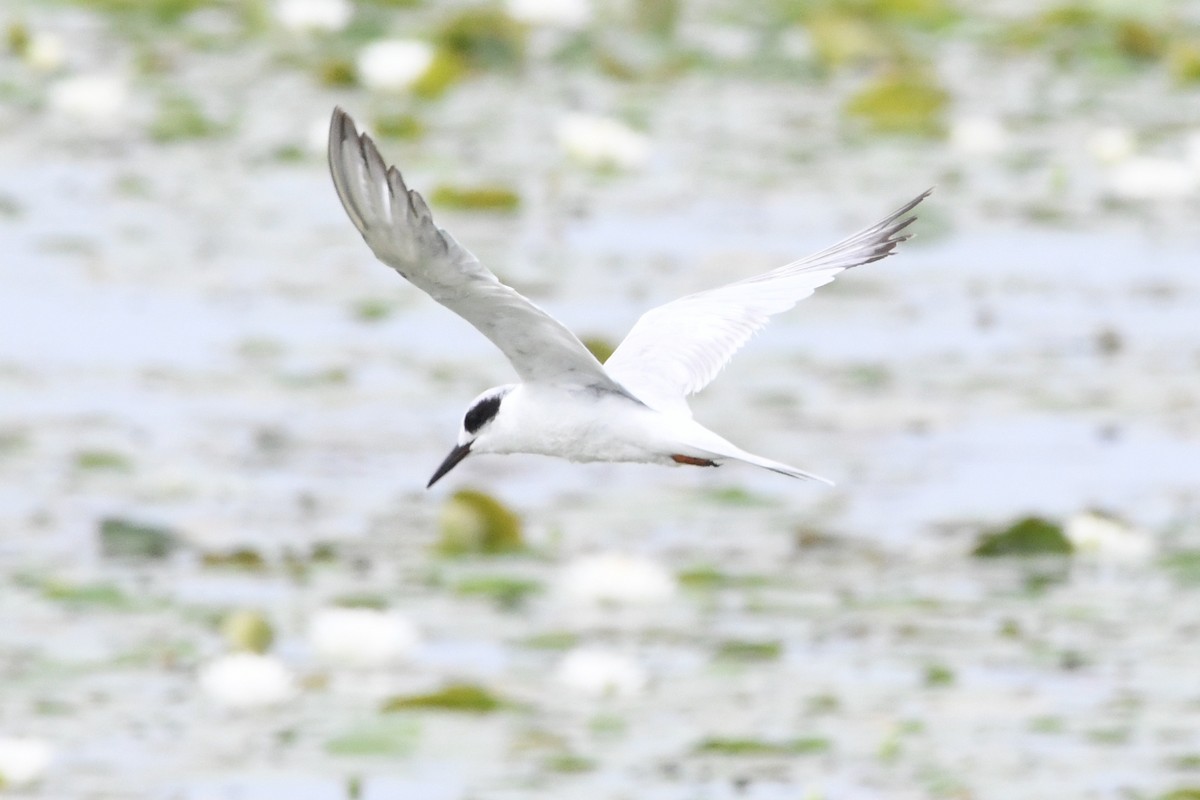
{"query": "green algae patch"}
(599, 347)
(938, 676)
(738, 497)
(507, 592)
(337, 72)
(390, 736)
(901, 102)
(1190, 761)
(163, 12)
(476, 198)
(398, 126)
(89, 595)
(123, 538)
(373, 309)
(374, 601)
(180, 117)
(841, 39)
(102, 461)
(446, 69)
(1029, 536)
(1183, 566)
(472, 522)
(709, 578)
(241, 558)
(1183, 61)
(738, 650)
(248, 631)
(460, 698)
(568, 764)
(552, 640)
(484, 39)
(812, 745)
(17, 38)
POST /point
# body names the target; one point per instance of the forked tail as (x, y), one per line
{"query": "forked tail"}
(782, 469)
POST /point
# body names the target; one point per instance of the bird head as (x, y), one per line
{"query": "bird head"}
(476, 429)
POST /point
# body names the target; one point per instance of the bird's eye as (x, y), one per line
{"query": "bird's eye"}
(481, 413)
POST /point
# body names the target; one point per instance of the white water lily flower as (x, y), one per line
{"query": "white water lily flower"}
(95, 99)
(393, 65)
(1147, 178)
(23, 761)
(314, 16)
(602, 142)
(567, 14)
(1100, 537)
(978, 136)
(361, 637)
(1110, 145)
(600, 673)
(46, 52)
(248, 680)
(615, 578)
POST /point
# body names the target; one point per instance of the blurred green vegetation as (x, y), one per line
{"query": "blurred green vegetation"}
(880, 56)
(1029, 536)
(123, 538)
(248, 630)
(740, 650)
(389, 736)
(812, 745)
(465, 698)
(507, 592)
(473, 522)
(475, 198)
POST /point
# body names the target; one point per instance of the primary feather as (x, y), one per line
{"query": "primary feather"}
(396, 224)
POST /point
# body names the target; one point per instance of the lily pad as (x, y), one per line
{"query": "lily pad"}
(901, 102)
(484, 38)
(243, 558)
(474, 522)
(1030, 536)
(248, 631)
(599, 347)
(507, 592)
(462, 698)
(390, 736)
(762, 747)
(105, 460)
(180, 117)
(476, 198)
(123, 538)
(738, 650)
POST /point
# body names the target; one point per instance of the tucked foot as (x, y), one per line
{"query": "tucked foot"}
(695, 462)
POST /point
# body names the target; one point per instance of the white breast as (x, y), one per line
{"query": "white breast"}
(578, 425)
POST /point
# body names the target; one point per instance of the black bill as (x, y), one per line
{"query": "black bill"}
(456, 455)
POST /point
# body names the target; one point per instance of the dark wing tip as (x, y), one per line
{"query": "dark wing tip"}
(341, 127)
(890, 231)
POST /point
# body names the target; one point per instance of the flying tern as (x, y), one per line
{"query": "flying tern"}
(633, 407)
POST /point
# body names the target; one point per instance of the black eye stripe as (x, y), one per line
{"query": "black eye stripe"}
(481, 413)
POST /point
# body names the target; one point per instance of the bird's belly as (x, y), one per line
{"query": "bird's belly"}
(612, 430)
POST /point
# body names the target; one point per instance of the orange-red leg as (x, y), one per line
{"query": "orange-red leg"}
(695, 462)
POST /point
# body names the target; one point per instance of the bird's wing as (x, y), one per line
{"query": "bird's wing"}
(678, 348)
(396, 224)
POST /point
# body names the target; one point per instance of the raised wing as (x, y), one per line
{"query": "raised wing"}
(396, 224)
(678, 348)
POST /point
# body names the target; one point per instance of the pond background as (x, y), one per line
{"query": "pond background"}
(196, 347)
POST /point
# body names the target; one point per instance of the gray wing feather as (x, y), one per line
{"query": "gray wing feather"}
(397, 225)
(677, 349)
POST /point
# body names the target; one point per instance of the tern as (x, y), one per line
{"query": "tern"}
(631, 408)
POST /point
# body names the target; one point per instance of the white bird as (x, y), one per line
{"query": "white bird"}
(631, 408)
